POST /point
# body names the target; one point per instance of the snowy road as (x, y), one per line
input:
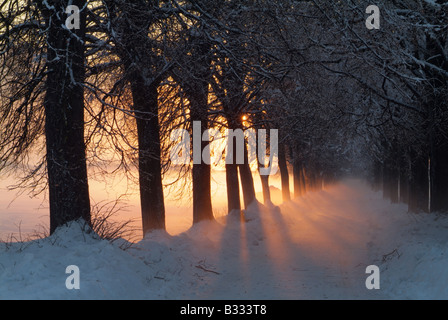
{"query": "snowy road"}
(315, 248)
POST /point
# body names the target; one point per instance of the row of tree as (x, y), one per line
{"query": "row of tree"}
(411, 142)
(342, 96)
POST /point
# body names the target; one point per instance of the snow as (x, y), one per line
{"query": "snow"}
(316, 247)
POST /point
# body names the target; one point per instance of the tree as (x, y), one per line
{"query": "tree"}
(64, 116)
(406, 58)
(56, 74)
(131, 23)
(193, 72)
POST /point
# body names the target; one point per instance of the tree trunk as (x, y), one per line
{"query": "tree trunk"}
(297, 175)
(201, 172)
(266, 191)
(202, 204)
(439, 191)
(284, 174)
(64, 118)
(300, 186)
(386, 181)
(150, 171)
(404, 182)
(394, 185)
(247, 181)
(232, 183)
(390, 178)
(138, 59)
(264, 181)
(304, 181)
(418, 187)
(377, 176)
(196, 80)
(395, 173)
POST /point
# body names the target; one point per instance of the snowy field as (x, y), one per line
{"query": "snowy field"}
(317, 247)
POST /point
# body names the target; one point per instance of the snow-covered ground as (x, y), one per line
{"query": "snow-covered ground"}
(317, 247)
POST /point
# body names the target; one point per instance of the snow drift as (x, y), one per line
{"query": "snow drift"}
(317, 247)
